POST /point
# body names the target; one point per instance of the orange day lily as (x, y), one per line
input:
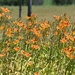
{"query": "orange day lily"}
(1, 14)
(16, 48)
(36, 73)
(2, 55)
(27, 54)
(9, 32)
(27, 17)
(56, 17)
(1, 27)
(4, 9)
(63, 40)
(36, 32)
(20, 37)
(35, 47)
(16, 42)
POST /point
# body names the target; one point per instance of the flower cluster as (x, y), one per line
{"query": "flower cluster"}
(35, 47)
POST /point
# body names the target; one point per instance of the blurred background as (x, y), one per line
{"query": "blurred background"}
(37, 2)
(45, 9)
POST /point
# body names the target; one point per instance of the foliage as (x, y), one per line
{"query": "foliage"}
(36, 47)
(63, 2)
(24, 2)
(47, 2)
(38, 2)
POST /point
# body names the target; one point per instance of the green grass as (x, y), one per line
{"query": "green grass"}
(45, 12)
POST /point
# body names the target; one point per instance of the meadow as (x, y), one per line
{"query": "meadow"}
(47, 11)
(43, 44)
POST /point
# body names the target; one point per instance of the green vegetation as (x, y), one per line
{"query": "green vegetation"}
(47, 2)
(37, 46)
(38, 2)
